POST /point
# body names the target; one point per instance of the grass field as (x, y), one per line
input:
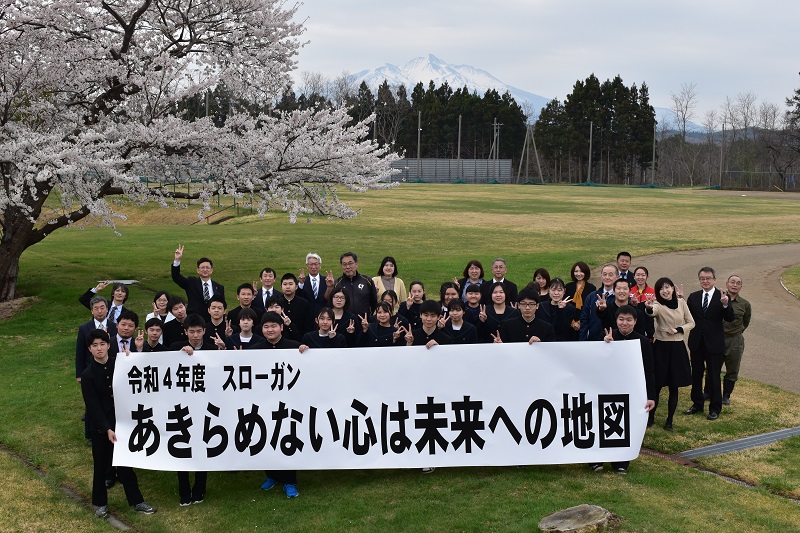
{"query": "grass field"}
(791, 280)
(432, 231)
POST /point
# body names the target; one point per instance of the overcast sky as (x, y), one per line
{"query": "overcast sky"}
(544, 46)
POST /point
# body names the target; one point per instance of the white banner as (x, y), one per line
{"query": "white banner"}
(403, 407)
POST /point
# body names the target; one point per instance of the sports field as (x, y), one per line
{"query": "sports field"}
(432, 231)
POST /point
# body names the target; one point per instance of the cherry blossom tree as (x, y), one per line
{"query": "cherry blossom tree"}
(89, 100)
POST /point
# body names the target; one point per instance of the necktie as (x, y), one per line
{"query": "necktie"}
(705, 302)
(314, 286)
(124, 343)
(206, 294)
(113, 313)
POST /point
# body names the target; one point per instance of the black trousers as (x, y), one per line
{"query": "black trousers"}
(288, 477)
(188, 493)
(710, 363)
(102, 454)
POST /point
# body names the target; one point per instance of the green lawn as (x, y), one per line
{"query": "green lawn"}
(432, 231)
(791, 280)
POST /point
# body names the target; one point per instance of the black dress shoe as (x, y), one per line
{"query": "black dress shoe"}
(712, 415)
(668, 426)
(110, 483)
(692, 410)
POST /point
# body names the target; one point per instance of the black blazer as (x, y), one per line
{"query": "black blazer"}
(708, 330)
(82, 354)
(258, 300)
(194, 292)
(306, 292)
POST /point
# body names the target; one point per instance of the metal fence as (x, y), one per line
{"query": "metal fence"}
(451, 170)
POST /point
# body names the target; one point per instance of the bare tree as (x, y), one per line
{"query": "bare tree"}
(313, 85)
(746, 110)
(683, 104)
(343, 88)
(769, 115)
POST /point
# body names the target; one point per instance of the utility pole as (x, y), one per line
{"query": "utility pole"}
(653, 163)
(458, 156)
(419, 140)
(721, 148)
(589, 173)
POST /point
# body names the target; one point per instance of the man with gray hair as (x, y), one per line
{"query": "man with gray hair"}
(312, 287)
(499, 270)
(734, 338)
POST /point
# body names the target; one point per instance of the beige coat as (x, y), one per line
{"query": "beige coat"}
(399, 288)
(667, 319)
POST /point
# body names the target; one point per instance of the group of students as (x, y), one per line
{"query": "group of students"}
(312, 310)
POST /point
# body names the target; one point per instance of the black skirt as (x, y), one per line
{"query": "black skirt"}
(671, 364)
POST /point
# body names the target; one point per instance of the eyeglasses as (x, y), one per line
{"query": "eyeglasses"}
(348, 264)
(527, 305)
(338, 297)
(706, 278)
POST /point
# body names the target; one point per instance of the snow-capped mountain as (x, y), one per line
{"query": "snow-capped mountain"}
(430, 67)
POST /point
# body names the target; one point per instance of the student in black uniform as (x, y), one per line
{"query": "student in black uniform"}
(272, 330)
(428, 335)
(559, 311)
(626, 317)
(456, 327)
(472, 308)
(99, 399)
(326, 335)
(525, 327)
(217, 327)
(296, 307)
(245, 296)
(396, 319)
(343, 319)
(383, 331)
(195, 327)
(410, 308)
(173, 331)
(246, 338)
(149, 340)
(494, 313)
(277, 304)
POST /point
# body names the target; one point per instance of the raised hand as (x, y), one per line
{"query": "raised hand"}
(179, 253)
(563, 303)
(635, 298)
(100, 286)
(496, 338)
(286, 320)
(332, 332)
(155, 309)
(442, 320)
(609, 335)
(364, 322)
(601, 303)
(139, 341)
(409, 301)
(679, 291)
(724, 299)
(482, 314)
(456, 283)
(228, 329)
(219, 342)
(409, 336)
(514, 305)
(301, 276)
(352, 327)
(256, 286)
(329, 278)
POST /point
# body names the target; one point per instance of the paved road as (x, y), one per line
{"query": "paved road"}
(772, 342)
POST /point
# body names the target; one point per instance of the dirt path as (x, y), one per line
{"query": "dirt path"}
(772, 342)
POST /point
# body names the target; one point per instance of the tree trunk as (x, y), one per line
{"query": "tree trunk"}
(14, 241)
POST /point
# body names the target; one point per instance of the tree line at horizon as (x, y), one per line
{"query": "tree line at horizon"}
(758, 139)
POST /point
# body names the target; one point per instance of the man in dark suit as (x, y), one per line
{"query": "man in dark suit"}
(198, 290)
(623, 268)
(312, 287)
(119, 295)
(267, 290)
(499, 270)
(709, 307)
